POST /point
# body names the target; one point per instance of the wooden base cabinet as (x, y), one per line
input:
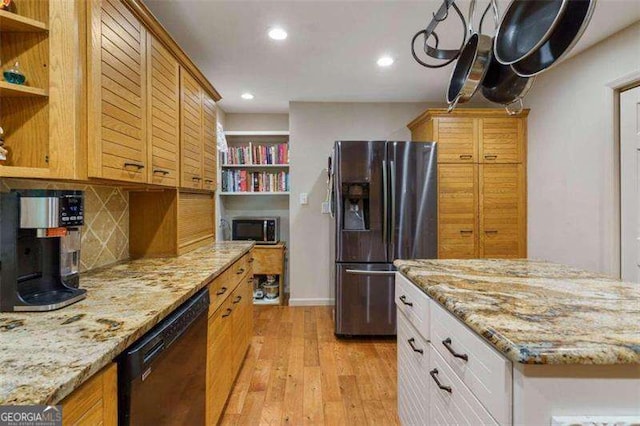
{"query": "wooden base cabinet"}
(482, 187)
(95, 402)
(229, 334)
(269, 260)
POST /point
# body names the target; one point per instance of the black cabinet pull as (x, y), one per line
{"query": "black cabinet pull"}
(196, 178)
(161, 172)
(447, 344)
(237, 300)
(403, 299)
(240, 271)
(227, 313)
(411, 343)
(222, 291)
(208, 181)
(136, 165)
(250, 260)
(466, 157)
(434, 376)
(490, 157)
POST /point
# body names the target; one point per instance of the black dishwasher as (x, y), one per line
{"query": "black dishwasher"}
(162, 376)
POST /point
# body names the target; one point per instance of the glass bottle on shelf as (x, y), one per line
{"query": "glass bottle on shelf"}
(14, 75)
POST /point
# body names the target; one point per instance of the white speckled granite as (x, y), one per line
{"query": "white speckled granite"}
(537, 312)
(45, 356)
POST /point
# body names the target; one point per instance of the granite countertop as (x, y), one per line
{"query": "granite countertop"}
(45, 356)
(537, 312)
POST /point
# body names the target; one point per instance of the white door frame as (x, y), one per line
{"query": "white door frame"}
(616, 86)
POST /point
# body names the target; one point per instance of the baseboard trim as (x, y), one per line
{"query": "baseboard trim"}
(311, 302)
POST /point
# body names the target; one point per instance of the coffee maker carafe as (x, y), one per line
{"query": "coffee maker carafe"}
(40, 232)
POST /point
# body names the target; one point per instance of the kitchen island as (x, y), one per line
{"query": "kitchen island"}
(46, 356)
(523, 340)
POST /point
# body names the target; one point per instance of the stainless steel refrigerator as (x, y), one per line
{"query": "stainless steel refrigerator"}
(385, 207)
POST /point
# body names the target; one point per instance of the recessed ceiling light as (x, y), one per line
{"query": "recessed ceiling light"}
(247, 96)
(385, 61)
(277, 33)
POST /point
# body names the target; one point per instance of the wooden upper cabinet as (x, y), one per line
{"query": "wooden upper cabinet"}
(502, 140)
(457, 211)
(210, 142)
(503, 215)
(116, 93)
(191, 132)
(163, 114)
(457, 139)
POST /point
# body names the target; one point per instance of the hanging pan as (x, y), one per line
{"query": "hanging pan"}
(564, 34)
(471, 66)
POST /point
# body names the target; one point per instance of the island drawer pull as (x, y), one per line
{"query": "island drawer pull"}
(490, 157)
(196, 178)
(466, 231)
(466, 157)
(447, 344)
(222, 291)
(434, 376)
(161, 171)
(237, 300)
(403, 299)
(491, 231)
(240, 271)
(227, 313)
(208, 181)
(250, 260)
(413, 346)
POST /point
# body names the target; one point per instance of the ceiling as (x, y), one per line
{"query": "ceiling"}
(332, 48)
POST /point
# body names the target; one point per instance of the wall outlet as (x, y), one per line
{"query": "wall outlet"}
(326, 207)
(304, 198)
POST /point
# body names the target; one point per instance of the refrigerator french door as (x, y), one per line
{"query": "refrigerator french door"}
(385, 209)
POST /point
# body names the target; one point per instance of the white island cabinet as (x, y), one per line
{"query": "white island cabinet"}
(449, 375)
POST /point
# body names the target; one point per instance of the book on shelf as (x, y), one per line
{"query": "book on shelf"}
(253, 154)
(246, 181)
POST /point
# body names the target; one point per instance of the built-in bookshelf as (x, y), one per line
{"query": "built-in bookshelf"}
(256, 163)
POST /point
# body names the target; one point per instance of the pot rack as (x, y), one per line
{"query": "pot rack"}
(435, 52)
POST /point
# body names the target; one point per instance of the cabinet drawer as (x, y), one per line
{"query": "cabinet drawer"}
(413, 378)
(268, 261)
(456, 405)
(411, 301)
(486, 372)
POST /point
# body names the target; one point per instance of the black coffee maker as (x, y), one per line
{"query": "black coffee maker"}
(40, 232)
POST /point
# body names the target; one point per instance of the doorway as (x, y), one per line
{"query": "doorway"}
(630, 184)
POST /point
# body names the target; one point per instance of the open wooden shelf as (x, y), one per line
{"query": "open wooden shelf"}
(255, 193)
(255, 166)
(12, 22)
(9, 90)
(266, 301)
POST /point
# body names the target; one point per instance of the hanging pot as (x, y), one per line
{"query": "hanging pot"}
(524, 27)
(503, 86)
(471, 66)
(563, 35)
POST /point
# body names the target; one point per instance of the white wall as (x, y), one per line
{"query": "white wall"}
(572, 166)
(314, 127)
(239, 121)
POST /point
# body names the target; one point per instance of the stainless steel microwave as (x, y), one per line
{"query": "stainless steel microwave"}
(262, 230)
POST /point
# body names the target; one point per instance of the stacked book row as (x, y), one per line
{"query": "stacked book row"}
(256, 154)
(245, 181)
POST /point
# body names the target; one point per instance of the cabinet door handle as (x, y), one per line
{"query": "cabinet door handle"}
(237, 300)
(136, 165)
(466, 231)
(208, 181)
(490, 157)
(161, 172)
(250, 260)
(412, 344)
(466, 157)
(227, 313)
(447, 344)
(240, 271)
(222, 291)
(491, 231)
(196, 178)
(403, 299)
(434, 376)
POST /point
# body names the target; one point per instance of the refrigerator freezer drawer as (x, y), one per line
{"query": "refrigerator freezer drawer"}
(365, 300)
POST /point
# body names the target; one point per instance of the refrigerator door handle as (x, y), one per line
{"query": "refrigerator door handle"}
(392, 166)
(365, 272)
(385, 207)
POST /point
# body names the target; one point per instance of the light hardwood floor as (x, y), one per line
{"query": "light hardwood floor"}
(296, 372)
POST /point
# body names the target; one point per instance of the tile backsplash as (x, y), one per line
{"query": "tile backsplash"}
(105, 234)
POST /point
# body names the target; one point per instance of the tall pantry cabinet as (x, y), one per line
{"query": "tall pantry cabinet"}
(482, 192)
